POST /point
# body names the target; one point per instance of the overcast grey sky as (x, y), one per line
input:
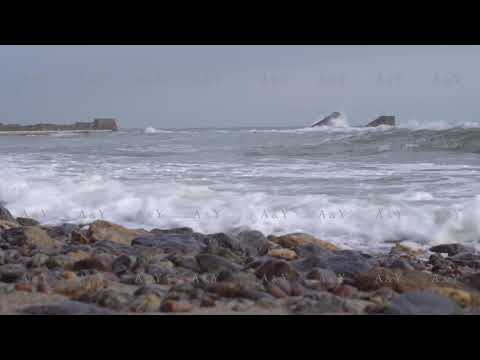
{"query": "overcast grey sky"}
(222, 86)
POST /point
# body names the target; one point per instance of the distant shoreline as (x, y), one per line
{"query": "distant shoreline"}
(47, 132)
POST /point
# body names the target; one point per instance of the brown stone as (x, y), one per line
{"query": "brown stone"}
(104, 230)
(273, 268)
(100, 262)
(79, 238)
(78, 287)
(403, 281)
(286, 254)
(400, 249)
(5, 225)
(294, 240)
(172, 306)
(32, 236)
(25, 287)
(146, 303)
(69, 275)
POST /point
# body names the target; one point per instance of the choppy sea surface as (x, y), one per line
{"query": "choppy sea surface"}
(361, 188)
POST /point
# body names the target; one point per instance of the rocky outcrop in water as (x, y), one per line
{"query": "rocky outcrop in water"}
(382, 120)
(329, 120)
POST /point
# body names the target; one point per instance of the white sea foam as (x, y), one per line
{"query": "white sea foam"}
(152, 130)
(350, 223)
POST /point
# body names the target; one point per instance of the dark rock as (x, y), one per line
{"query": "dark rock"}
(472, 280)
(185, 261)
(31, 236)
(138, 279)
(452, 249)
(235, 290)
(401, 263)
(114, 248)
(38, 260)
(170, 243)
(329, 120)
(67, 308)
(253, 242)
(382, 120)
(79, 237)
(6, 215)
(422, 303)
(100, 262)
(272, 269)
(309, 250)
(146, 303)
(123, 264)
(112, 299)
(151, 289)
(223, 240)
(326, 303)
(11, 273)
(214, 264)
(61, 232)
(182, 230)
(328, 278)
(346, 263)
(27, 221)
(12, 256)
(466, 259)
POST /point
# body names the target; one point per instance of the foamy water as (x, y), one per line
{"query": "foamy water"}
(361, 188)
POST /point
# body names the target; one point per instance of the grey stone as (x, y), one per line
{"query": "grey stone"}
(11, 273)
(273, 268)
(123, 264)
(215, 264)
(67, 308)
(346, 263)
(322, 302)
(472, 280)
(422, 303)
(400, 263)
(169, 243)
(253, 242)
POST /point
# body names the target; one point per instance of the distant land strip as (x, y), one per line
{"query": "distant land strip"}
(95, 125)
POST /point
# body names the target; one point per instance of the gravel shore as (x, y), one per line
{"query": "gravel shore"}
(104, 268)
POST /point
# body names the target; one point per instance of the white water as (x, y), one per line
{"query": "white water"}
(332, 183)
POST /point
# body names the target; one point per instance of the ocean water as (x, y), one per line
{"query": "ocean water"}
(361, 188)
